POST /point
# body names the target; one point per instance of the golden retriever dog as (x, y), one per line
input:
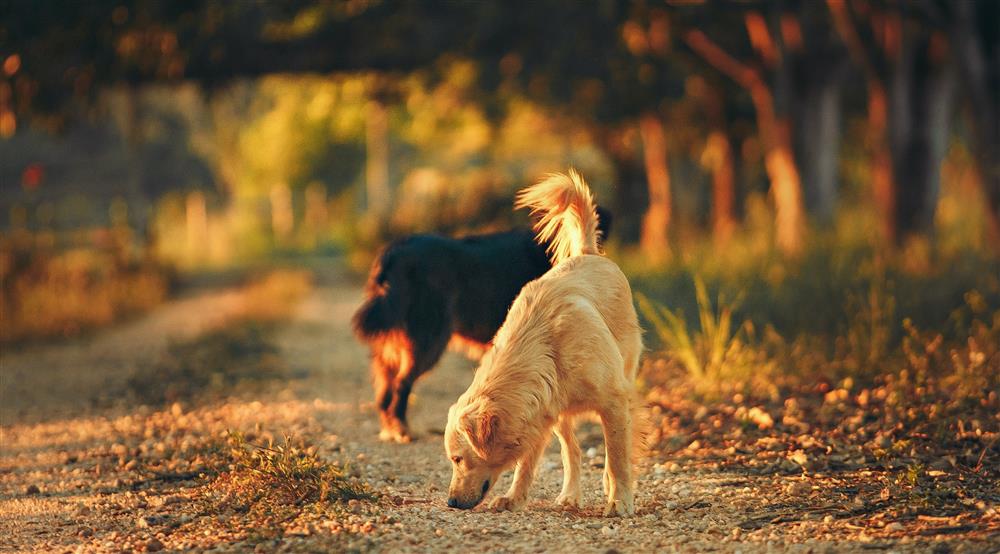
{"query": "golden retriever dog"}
(570, 344)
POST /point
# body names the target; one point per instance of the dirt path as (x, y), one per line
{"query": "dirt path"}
(73, 484)
(53, 381)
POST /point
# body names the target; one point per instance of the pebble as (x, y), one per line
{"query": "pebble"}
(153, 545)
(798, 487)
(32, 489)
(607, 531)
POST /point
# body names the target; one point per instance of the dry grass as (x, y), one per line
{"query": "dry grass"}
(47, 294)
(289, 474)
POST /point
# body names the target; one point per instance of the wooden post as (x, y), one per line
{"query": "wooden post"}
(196, 219)
(282, 218)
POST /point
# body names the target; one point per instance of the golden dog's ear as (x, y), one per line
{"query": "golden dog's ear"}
(479, 424)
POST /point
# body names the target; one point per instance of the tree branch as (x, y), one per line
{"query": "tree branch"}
(744, 75)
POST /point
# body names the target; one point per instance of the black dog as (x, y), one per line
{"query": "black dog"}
(425, 291)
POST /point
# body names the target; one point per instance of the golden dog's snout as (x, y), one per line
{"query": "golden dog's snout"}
(454, 502)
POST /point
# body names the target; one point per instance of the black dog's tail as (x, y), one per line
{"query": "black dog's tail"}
(381, 311)
(372, 319)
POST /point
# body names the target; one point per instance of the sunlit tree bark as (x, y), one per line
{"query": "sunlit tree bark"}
(775, 133)
(656, 223)
(911, 89)
(719, 154)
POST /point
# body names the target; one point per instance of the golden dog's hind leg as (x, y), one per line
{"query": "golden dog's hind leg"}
(618, 444)
(524, 474)
(570, 448)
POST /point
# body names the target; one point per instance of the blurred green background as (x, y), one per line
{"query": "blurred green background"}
(833, 166)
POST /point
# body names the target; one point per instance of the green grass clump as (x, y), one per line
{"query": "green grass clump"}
(717, 353)
(287, 474)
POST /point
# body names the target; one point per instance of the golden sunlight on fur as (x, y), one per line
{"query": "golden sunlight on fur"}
(570, 344)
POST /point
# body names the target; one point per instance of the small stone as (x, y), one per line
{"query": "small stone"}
(798, 488)
(153, 545)
(32, 490)
(828, 519)
(894, 527)
(591, 452)
(607, 531)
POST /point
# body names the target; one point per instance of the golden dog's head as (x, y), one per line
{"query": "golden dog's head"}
(479, 452)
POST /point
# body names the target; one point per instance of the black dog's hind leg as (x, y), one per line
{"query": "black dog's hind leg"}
(383, 381)
(425, 356)
(429, 331)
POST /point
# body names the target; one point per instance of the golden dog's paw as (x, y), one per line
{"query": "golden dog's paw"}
(620, 508)
(568, 500)
(506, 504)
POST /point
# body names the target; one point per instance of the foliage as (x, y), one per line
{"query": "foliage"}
(49, 293)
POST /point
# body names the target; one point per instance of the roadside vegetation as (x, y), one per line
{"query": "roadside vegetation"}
(871, 389)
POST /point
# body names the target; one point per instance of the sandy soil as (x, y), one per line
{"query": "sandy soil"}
(71, 461)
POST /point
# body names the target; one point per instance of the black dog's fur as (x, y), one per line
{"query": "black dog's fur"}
(426, 290)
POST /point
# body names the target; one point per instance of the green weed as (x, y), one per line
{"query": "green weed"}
(288, 473)
(717, 354)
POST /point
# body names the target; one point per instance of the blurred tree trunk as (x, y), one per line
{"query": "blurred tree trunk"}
(910, 88)
(867, 55)
(818, 131)
(134, 139)
(719, 160)
(631, 194)
(773, 124)
(883, 181)
(920, 92)
(282, 215)
(656, 223)
(196, 226)
(976, 48)
(377, 159)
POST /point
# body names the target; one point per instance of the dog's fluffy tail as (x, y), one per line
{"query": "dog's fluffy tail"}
(568, 216)
(373, 318)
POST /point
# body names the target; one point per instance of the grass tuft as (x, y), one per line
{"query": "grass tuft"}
(714, 356)
(287, 474)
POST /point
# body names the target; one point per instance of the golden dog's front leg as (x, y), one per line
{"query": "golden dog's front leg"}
(570, 495)
(524, 474)
(618, 443)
